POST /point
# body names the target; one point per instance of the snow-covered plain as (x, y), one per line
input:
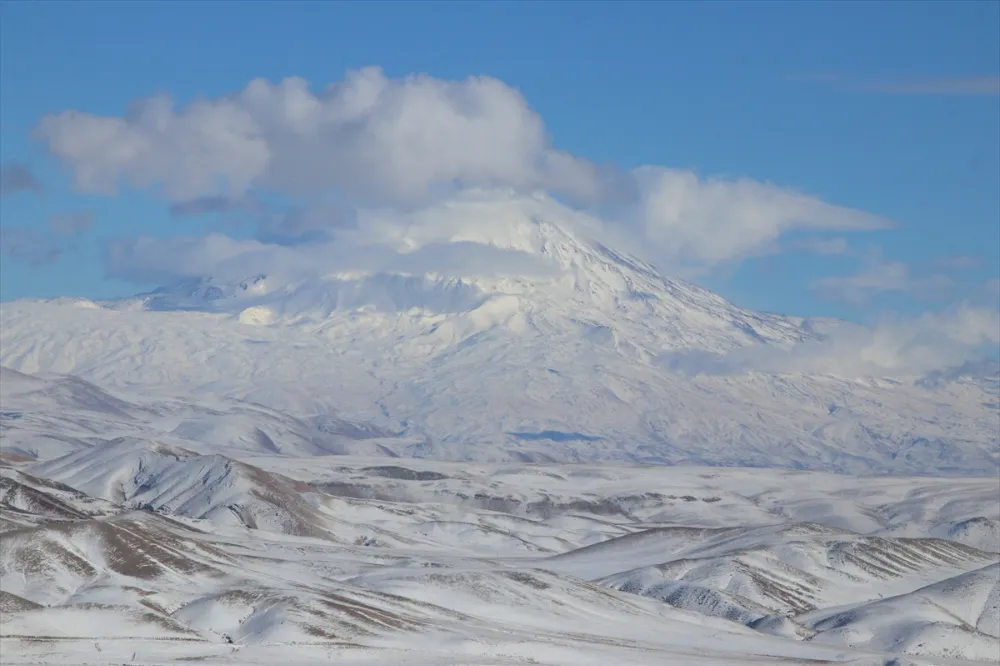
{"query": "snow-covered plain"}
(590, 465)
(130, 535)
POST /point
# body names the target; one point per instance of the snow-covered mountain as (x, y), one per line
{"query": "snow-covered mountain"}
(581, 353)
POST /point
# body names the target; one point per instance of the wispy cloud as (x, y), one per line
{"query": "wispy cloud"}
(992, 290)
(214, 204)
(959, 85)
(933, 279)
(895, 346)
(18, 177)
(150, 260)
(858, 289)
(67, 224)
(836, 245)
(957, 262)
(38, 246)
(32, 246)
(942, 85)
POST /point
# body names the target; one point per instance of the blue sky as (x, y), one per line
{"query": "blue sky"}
(890, 108)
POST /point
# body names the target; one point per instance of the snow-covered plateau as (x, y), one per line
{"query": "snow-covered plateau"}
(586, 463)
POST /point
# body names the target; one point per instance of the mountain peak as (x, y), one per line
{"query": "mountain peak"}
(534, 272)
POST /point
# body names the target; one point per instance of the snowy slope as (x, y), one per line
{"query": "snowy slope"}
(27, 500)
(748, 575)
(966, 510)
(956, 617)
(128, 551)
(593, 356)
(176, 482)
(43, 417)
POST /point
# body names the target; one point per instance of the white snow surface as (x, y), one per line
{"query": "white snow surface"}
(596, 357)
(136, 540)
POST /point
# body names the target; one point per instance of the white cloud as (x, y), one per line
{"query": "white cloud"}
(824, 246)
(307, 223)
(157, 260)
(381, 143)
(894, 347)
(366, 135)
(711, 221)
(931, 341)
(146, 259)
(474, 233)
